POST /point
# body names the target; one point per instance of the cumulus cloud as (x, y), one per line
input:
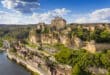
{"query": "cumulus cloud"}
(47, 16)
(101, 15)
(17, 18)
(23, 6)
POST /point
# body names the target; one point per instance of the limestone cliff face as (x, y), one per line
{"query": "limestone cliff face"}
(32, 36)
(46, 39)
(63, 39)
(90, 46)
(77, 42)
(54, 38)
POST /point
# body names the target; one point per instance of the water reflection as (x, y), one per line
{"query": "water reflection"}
(8, 67)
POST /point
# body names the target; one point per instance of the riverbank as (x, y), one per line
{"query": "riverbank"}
(24, 63)
(1, 50)
(9, 67)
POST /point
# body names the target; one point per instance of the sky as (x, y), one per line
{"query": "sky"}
(35, 11)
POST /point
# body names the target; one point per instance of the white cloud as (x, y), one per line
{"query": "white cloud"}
(47, 16)
(23, 6)
(8, 4)
(101, 15)
(18, 18)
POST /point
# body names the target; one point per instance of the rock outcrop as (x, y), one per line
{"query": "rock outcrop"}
(90, 46)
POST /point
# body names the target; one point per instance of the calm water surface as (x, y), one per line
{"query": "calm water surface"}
(8, 67)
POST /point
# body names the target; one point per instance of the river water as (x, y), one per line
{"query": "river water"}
(8, 67)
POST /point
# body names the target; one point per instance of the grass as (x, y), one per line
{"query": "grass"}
(34, 73)
(32, 45)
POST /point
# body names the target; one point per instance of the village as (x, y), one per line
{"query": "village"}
(38, 54)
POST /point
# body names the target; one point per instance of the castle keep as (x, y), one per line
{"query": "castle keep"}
(58, 23)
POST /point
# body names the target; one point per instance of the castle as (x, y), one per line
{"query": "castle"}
(59, 32)
(58, 23)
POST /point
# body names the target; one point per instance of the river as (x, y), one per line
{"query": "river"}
(8, 67)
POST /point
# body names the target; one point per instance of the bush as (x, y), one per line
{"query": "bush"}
(1, 44)
(63, 55)
(76, 70)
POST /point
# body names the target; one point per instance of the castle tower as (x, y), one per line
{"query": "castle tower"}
(58, 23)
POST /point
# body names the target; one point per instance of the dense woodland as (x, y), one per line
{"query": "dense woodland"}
(13, 32)
(81, 60)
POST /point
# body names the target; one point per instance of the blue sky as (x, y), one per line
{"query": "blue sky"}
(35, 11)
(77, 6)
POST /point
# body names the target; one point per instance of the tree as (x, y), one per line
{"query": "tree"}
(105, 59)
(108, 73)
(76, 70)
(1, 44)
(63, 55)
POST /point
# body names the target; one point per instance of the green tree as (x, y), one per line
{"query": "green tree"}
(105, 59)
(76, 70)
(63, 55)
(1, 44)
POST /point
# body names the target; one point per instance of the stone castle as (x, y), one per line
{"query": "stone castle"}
(59, 32)
(58, 23)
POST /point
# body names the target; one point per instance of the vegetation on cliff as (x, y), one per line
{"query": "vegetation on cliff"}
(1, 43)
(81, 60)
